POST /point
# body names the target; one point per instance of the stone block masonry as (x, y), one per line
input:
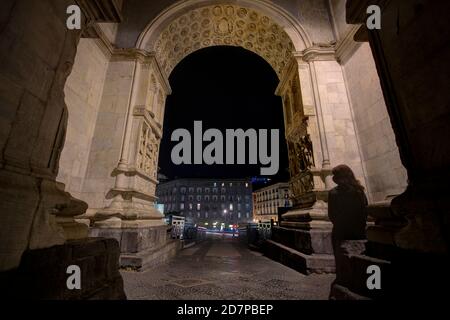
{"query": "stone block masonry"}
(42, 273)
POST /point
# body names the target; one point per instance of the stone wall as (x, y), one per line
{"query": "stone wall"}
(384, 173)
(337, 14)
(83, 92)
(43, 275)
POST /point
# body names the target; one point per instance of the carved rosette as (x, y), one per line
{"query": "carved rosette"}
(223, 25)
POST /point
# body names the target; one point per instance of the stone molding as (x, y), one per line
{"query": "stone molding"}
(347, 46)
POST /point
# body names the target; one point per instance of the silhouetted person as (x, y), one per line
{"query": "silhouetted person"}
(346, 209)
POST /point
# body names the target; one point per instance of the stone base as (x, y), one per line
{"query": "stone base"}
(42, 272)
(307, 264)
(405, 274)
(141, 248)
(307, 251)
(314, 241)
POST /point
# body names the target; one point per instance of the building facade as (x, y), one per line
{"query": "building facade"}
(267, 200)
(210, 202)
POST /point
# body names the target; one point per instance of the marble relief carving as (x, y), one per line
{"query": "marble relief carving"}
(224, 25)
(300, 146)
(148, 151)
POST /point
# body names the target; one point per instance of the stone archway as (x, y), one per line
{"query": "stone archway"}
(128, 212)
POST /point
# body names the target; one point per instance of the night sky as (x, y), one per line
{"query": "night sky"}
(226, 88)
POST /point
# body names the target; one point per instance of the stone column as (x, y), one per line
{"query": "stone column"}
(320, 134)
(308, 144)
(36, 57)
(135, 180)
(32, 78)
(131, 216)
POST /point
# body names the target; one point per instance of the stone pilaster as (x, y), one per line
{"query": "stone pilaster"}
(130, 214)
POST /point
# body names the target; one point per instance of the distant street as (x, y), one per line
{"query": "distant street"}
(223, 268)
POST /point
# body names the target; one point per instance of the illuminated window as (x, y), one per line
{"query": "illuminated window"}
(198, 206)
(231, 207)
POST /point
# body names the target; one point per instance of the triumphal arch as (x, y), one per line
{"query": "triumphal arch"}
(85, 110)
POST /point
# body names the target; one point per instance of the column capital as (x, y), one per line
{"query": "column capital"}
(317, 52)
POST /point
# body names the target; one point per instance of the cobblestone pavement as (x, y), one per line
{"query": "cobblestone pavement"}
(220, 269)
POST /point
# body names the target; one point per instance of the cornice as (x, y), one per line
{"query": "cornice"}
(347, 46)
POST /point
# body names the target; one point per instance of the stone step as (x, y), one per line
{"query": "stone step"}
(150, 258)
(313, 241)
(304, 263)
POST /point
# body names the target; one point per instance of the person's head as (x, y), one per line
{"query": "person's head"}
(344, 176)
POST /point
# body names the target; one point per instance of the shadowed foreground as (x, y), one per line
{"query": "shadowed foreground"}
(223, 268)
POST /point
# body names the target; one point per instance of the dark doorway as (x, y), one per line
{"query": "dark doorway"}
(226, 88)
